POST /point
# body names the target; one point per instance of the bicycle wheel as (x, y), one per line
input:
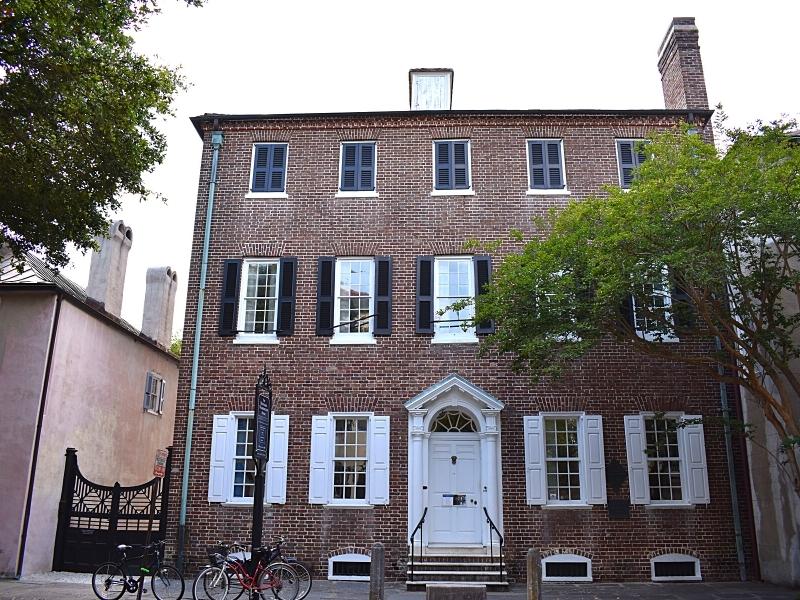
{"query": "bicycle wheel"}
(167, 584)
(281, 580)
(212, 583)
(108, 581)
(303, 577)
(235, 587)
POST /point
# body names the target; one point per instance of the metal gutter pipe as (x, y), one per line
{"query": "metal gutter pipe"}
(737, 521)
(216, 144)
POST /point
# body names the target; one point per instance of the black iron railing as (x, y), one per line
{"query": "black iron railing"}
(411, 539)
(493, 530)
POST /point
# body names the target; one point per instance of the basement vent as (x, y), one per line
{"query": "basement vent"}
(351, 567)
(566, 567)
(675, 567)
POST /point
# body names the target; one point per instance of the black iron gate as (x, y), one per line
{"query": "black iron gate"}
(93, 518)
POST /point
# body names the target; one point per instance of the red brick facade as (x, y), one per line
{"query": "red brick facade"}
(312, 377)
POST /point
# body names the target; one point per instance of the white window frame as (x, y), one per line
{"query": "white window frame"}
(352, 557)
(236, 417)
(470, 191)
(154, 401)
(579, 416)
(547, 191)
(453, 335)
(332, 453)
(698, 576)
(570, 558)
(691, 465)
(340, 193)
(344, 337)
(250, 193)
(243, 337)
(667, 296)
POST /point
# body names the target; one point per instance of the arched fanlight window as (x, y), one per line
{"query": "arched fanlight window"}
(453, 420)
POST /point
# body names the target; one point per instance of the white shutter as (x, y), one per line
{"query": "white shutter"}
(636, 445)
(378, 460)
(693, 452)
(535, 468)
(319, 477)
(221, 464)
(278, 454)
(594, 459)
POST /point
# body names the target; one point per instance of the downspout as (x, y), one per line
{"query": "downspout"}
(216, 143)
(737, 520)
(39, 421)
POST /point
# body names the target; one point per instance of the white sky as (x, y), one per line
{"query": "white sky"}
(254, 56)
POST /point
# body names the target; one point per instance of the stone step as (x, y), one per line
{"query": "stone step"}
(494, 573)
(419, 586)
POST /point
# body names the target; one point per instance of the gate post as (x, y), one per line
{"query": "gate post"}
(65, 506)
(165, 483)
(114, 516)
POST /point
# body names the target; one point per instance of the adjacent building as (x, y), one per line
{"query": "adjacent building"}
(75, 375)
(337, 244)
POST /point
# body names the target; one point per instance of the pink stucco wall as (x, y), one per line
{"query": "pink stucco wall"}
(25, 323)
(94, 404)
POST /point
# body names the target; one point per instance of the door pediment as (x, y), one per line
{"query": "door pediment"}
(460, 390)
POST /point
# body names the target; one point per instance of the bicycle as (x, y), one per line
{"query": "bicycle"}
(304, 576)
(110, 581)
(257, 573)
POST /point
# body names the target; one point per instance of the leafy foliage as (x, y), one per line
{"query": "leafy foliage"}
(77, 111)
(704, 244)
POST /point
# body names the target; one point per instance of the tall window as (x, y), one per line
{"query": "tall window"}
(453, 281)
(663, 459)
(358, 167)
(354, 296)
(244, 472)
(652, 311)
(258, 313)
(563, 459)
(269, 168)
(350, 458)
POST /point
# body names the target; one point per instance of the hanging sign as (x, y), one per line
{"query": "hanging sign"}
(160, 464)
(263, 411)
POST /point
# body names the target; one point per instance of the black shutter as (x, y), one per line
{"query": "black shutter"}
(286, 295)
(424, 294)
(325, 275)
(536, 151)
(554, 179)
(460, 166)
(231, 271)
(683, 312)
(626, 163)
(260, 169)
(366, 173)
(349, 164)
(483, 270)
(443, 166)
(383, 295)
(627, 311)
(277, 176)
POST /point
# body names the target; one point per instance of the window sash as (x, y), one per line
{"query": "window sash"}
(153, 393)
(451, 322)
(350, 459)
(356, 302)
(664, 457)
(243, 480)
(258, 305)
(563, 459)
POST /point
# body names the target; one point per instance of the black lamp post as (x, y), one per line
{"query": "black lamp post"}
(263, 413)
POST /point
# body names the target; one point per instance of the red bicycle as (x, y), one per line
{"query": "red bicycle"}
(258, 573)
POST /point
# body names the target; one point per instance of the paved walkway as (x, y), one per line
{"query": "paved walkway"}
(73, 586)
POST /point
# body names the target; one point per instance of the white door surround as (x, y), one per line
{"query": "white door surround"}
(483, 447)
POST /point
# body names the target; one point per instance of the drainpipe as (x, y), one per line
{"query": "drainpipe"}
(737, 521)
(216, 143)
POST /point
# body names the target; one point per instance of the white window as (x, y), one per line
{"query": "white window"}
(652, 315)
(566, 567)
(258, 301)
(154, 389)
(349, 567)
(564, 460)
(349, 459)
(453, 281)
(675, 567)
(354, 300)
(232, 474)
(666, 459)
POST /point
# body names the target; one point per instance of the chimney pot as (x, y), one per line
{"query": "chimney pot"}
(159, 304)
(107, 270)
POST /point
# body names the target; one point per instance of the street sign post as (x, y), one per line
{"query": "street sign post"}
(263, 412)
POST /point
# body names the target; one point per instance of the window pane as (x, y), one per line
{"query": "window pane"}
(563, 460)
(355, 296)
(350, 458)
(260, 298)
(663, 459)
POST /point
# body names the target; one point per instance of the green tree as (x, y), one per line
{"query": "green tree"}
(176, 344)
(704, 245)
(77, 119)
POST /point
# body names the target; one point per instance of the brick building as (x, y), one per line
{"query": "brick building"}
(334, 241)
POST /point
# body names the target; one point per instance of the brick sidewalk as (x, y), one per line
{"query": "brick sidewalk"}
(40, 588)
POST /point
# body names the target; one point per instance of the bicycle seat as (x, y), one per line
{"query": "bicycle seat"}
(123, 547)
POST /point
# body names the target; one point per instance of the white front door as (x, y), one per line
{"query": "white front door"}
(454, 483)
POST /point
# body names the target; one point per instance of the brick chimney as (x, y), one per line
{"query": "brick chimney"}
(107, 271)
(159, 304)
(681, 68)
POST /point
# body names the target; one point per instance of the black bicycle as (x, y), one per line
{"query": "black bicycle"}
(112, 579)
